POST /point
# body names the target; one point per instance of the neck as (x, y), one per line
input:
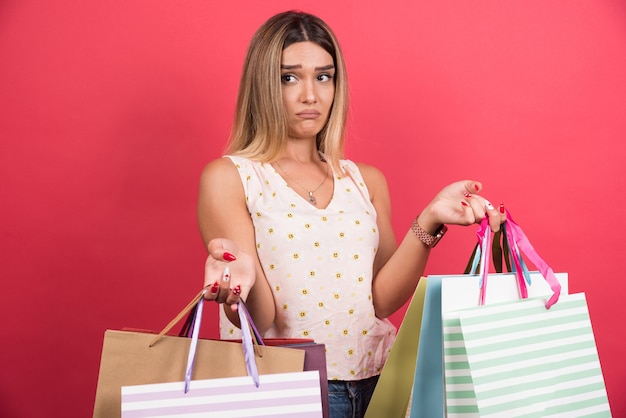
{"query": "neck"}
(303, 152)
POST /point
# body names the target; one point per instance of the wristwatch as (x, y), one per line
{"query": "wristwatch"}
(425, 237)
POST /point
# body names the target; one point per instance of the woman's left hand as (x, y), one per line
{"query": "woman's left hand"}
(460, 204)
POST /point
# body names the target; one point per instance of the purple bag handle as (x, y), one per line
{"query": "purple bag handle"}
(195, 307)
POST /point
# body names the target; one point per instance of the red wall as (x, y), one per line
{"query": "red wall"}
(109, 110)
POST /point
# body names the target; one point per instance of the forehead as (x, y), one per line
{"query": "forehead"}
(303, 53)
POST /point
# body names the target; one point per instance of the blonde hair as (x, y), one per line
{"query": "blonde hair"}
(260, 127)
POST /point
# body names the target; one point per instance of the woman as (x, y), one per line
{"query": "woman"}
(303, 235)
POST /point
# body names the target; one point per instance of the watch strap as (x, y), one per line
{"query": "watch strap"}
(425, 237)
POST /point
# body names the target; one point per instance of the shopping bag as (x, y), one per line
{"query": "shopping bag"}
(393, 390)
(294, 394)
(314, 359)
(463, 291)
(130, 358)
(427, 400)
(278, 395)
(526, 360)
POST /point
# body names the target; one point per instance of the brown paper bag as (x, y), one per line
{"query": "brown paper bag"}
(133, 358)
(314, 359)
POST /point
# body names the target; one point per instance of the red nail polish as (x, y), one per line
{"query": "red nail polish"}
(476, 187)
(501, 207)
(464, 203)
(215, 287)
(229, 257)
(237, 290)
(467, 195)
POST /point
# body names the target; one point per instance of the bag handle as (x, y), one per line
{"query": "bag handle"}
(499, 252)
(515, 265)
(501, 248)
(518, 243)
(246, 340)
(191, 306)
(522, 242)
(194, 309)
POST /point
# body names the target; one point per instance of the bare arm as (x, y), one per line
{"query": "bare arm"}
(226, 226)
(398, 268)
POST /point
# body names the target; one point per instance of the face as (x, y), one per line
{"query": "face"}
(308, 88)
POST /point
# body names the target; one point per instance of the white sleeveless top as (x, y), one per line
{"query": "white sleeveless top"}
(319, 264)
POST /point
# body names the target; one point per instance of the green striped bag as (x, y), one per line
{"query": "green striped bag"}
(526, 360)
(459, 388)
(460, 293)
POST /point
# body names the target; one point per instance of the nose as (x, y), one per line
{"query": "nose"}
(308, 94)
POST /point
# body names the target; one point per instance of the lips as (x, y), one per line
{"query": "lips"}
(309, 114)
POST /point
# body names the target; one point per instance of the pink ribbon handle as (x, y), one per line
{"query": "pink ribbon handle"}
(484, 244)
(525, 247)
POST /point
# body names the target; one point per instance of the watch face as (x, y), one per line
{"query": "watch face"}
(439, 234)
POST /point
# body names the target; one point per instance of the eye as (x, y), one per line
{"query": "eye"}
(287, 78)
(325, 77)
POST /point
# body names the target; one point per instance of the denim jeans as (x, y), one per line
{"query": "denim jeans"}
(349, 399)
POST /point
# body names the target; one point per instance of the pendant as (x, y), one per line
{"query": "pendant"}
(312, 199)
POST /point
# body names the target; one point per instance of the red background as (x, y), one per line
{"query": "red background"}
(110, 109)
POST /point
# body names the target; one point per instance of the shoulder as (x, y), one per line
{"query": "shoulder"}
(220, 174)
(373, 177)
(219, 167)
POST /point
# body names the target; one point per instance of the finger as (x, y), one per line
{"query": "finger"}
(494, 216)
(502, 211)
(224, 286)
(468, 212)
(222, 249)
(482, 208)
(212, 291)
(234, 297)
(222, 295)
(218, 255)
(212, 271)
(472, 186)
(478, 206)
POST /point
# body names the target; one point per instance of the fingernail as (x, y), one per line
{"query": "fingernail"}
(464, 203)
(476, 187)
(226, 275)
(237, 290)
(229, 257)
(215, 287)
(501, 207)
(467, 195)
(488, 205)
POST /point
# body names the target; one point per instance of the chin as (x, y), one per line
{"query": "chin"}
(308, 134)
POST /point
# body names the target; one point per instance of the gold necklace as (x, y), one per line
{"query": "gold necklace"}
(312, 198)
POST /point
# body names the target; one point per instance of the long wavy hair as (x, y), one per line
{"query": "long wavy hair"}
(260, 128)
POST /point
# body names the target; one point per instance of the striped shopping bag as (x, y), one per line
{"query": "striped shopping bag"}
(526, 360)
(295, 395)
(459, 389)
(462, 292)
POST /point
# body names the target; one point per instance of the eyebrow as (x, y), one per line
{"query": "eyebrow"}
(298, 66)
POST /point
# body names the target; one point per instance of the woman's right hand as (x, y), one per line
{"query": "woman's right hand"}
(229, 273)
